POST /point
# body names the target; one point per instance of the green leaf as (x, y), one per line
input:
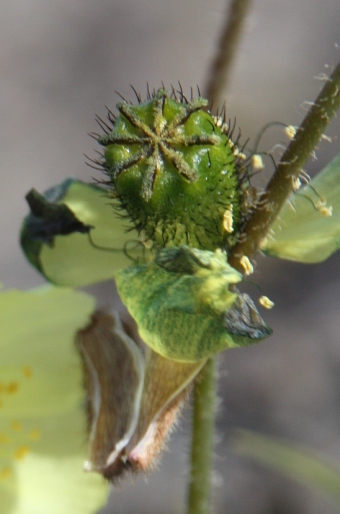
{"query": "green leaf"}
(294, 461)
(184, 308)
(303, 232)
(43, 424)
(74, 237)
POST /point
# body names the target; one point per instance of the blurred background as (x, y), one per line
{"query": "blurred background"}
(61, 63)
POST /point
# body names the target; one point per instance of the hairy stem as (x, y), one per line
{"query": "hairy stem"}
(202, 440)
(227, 46)
(205, 386)
(290, 166)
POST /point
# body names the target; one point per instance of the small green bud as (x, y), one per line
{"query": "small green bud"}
(176, 172)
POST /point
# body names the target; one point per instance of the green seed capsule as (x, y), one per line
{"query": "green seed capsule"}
(176, 172)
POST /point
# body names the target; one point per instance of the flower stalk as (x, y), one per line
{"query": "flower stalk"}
(219, 72)
(289, 168)
(278, 189)
(202, 440)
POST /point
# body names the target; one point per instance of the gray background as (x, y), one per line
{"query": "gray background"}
(61, 62)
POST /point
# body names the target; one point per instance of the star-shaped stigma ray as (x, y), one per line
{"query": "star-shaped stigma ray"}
(174, 171)
(156, 136)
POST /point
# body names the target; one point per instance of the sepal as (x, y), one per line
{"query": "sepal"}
(74, 236)
(184, 305)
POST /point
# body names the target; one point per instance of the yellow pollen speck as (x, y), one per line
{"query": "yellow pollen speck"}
(5, 473)
(21, 452)
(35, 434)
(27, 371)
(12, 388)
(296, 183)
(16, 426)
(257, 162)
(218, 121)
(265, 302)
(246, 265)
(290, 131)
(323, 209)
(326, 211)
(228, 220)
(239, 154)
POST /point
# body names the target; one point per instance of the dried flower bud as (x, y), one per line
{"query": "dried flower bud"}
(133, 399)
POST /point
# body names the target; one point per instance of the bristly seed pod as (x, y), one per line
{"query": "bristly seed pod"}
(176, 172)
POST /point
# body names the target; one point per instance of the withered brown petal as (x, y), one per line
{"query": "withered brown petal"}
(114, 372)
(133, 403)
(166, 386)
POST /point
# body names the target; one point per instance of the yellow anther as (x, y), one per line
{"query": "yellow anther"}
(5, 473)
(257, 162)
(290, 131)
(27, 371)
(228, 220)
(35, 434)
(21, 452)
(16, 426)
(246, 265)
(12, 387)
(326, 211)
(296, 183)
(239, 154)
(266, 302)
(218, 121)
(323, 209)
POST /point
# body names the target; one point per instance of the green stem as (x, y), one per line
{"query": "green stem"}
(202, 440)
(219, 72)
(290, 167)
(205, 386)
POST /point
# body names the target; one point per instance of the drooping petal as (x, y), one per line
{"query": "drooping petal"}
(308, 228)
(184, 307)
(114, 373)
(133, 399)
(42, 423)
(167, 383)
(74, 237)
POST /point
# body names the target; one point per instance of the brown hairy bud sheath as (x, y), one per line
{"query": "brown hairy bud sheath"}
(133, 398)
